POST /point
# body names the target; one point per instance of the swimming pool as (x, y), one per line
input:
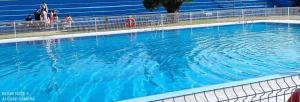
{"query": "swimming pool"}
(118, 67)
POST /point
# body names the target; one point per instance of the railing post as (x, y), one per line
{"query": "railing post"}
(191, 18)
(243, 15)
(218, 17)
(266, 10)
(96, 24)
(288, 13)
(161, 20)
(15, 30)
(57, 24)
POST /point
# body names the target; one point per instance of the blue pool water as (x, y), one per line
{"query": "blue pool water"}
(118, 67)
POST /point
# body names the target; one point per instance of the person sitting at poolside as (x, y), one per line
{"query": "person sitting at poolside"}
(28, 20)
(67, 22)
(37, 15)
(52, 18)
(55, 13)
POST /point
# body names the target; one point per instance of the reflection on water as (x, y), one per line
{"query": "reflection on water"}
(49, 44)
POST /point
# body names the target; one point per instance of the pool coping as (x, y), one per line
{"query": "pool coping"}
(13, 40)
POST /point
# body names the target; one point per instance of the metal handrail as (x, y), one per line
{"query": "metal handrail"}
(288, 89)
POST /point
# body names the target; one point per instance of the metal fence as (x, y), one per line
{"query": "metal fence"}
(113, 23)
(272, 90)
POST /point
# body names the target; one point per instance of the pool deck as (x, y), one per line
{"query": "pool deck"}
(12, 40)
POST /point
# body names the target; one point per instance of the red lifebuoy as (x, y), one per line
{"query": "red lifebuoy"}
(295, 96)
(130, 22)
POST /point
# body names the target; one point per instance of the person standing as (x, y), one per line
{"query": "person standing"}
(44, 15)
(44, 6)
(44, 18)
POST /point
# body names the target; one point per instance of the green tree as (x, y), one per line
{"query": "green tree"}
(171, 6)
(151, 4)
